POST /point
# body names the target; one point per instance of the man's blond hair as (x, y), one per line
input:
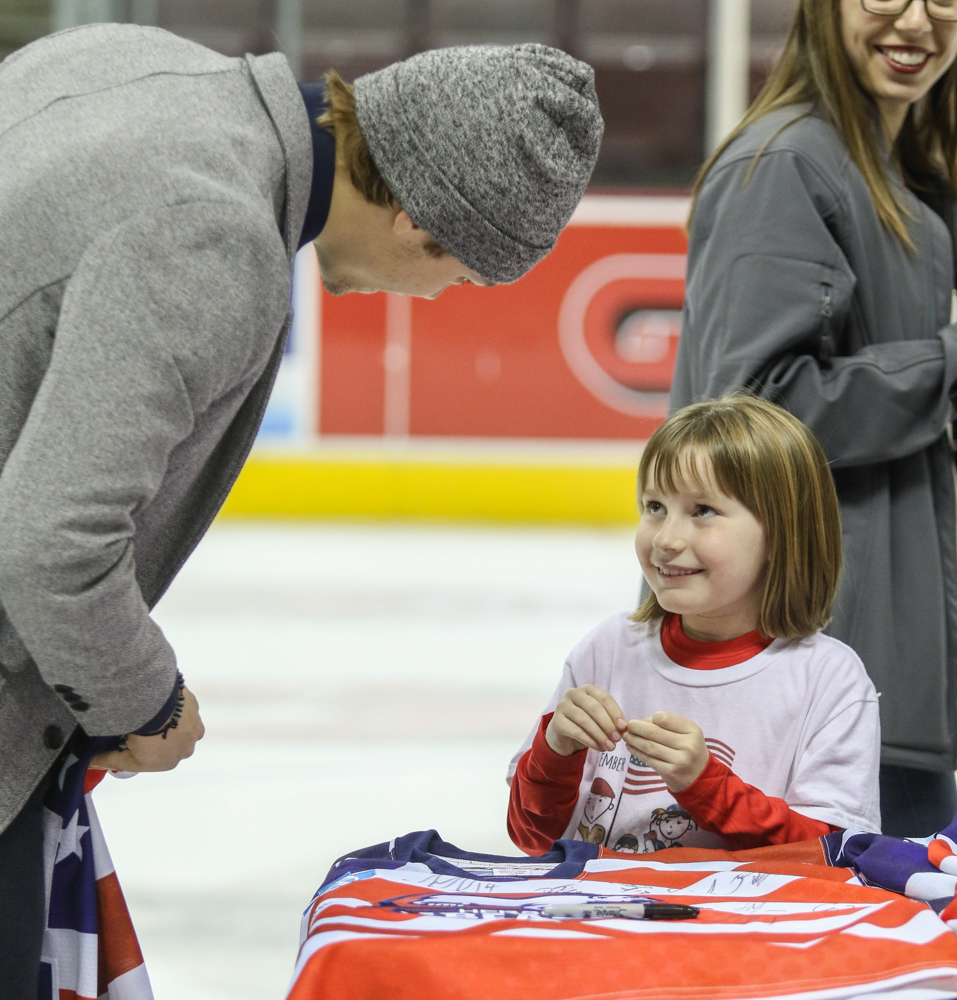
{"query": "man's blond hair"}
(340, 119)
(352, 152)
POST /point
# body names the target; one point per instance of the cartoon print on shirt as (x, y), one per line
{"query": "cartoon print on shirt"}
(608, 813)
(628, 844)
(600, 800)
(667, 827)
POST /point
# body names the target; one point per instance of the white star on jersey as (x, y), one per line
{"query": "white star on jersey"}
(67, 764)
(70, 837)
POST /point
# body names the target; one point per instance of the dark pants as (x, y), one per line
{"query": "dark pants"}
(22, 900)
(916, 803)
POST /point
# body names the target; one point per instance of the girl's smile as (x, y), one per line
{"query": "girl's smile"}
(703, 553)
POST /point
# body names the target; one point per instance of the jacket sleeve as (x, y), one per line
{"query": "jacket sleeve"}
(544, 793)
(161, 317)
(719, 801)
(769, 292)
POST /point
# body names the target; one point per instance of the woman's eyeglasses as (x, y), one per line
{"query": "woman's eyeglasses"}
(939, 10)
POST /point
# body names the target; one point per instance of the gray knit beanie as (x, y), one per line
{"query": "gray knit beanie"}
(488, 148)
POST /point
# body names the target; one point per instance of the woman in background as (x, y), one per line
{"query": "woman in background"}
(820, 276)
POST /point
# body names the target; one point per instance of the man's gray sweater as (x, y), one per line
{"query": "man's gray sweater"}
(151, 197)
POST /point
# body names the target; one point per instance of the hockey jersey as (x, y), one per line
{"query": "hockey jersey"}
(418, 917)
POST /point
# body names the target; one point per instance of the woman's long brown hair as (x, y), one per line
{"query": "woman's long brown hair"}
(814, 69)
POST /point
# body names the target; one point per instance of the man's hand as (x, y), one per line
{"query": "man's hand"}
(154, 753)
(670, 744)
(586, 717)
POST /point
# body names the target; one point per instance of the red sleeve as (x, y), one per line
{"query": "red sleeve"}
(719, 801)
(544, 794)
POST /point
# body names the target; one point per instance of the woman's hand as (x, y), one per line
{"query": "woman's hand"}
(670, 744)
(156, 753)
(586, 717)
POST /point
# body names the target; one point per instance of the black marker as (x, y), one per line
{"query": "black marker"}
(631, 911)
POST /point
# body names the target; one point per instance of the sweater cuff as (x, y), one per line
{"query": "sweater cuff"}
(163, 715)
(544, 763)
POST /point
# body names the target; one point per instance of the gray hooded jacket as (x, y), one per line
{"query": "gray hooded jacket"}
(152, 194)
(796, 290)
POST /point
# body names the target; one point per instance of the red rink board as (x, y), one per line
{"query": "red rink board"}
(582, 347)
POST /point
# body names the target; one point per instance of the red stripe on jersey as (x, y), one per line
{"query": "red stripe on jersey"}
(119, 951)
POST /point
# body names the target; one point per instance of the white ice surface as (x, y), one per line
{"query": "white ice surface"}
(357, 683)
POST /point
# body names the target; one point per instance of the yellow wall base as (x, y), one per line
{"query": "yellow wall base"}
(599, 490)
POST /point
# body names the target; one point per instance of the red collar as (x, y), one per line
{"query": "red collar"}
(688, 652)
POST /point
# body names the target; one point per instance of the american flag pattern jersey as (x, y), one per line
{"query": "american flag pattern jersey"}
(419, 918)
(90, 950)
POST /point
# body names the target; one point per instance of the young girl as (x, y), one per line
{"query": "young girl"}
(718, 714)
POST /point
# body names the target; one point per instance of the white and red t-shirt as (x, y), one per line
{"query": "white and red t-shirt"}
(792, 726)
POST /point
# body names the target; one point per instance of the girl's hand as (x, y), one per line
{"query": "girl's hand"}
(153, 753)
(586, 717)
(670, 744)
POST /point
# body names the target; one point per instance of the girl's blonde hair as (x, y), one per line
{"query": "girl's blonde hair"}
(814, 69)
(772, 464)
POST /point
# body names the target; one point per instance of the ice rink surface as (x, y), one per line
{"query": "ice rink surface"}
(357, 683)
